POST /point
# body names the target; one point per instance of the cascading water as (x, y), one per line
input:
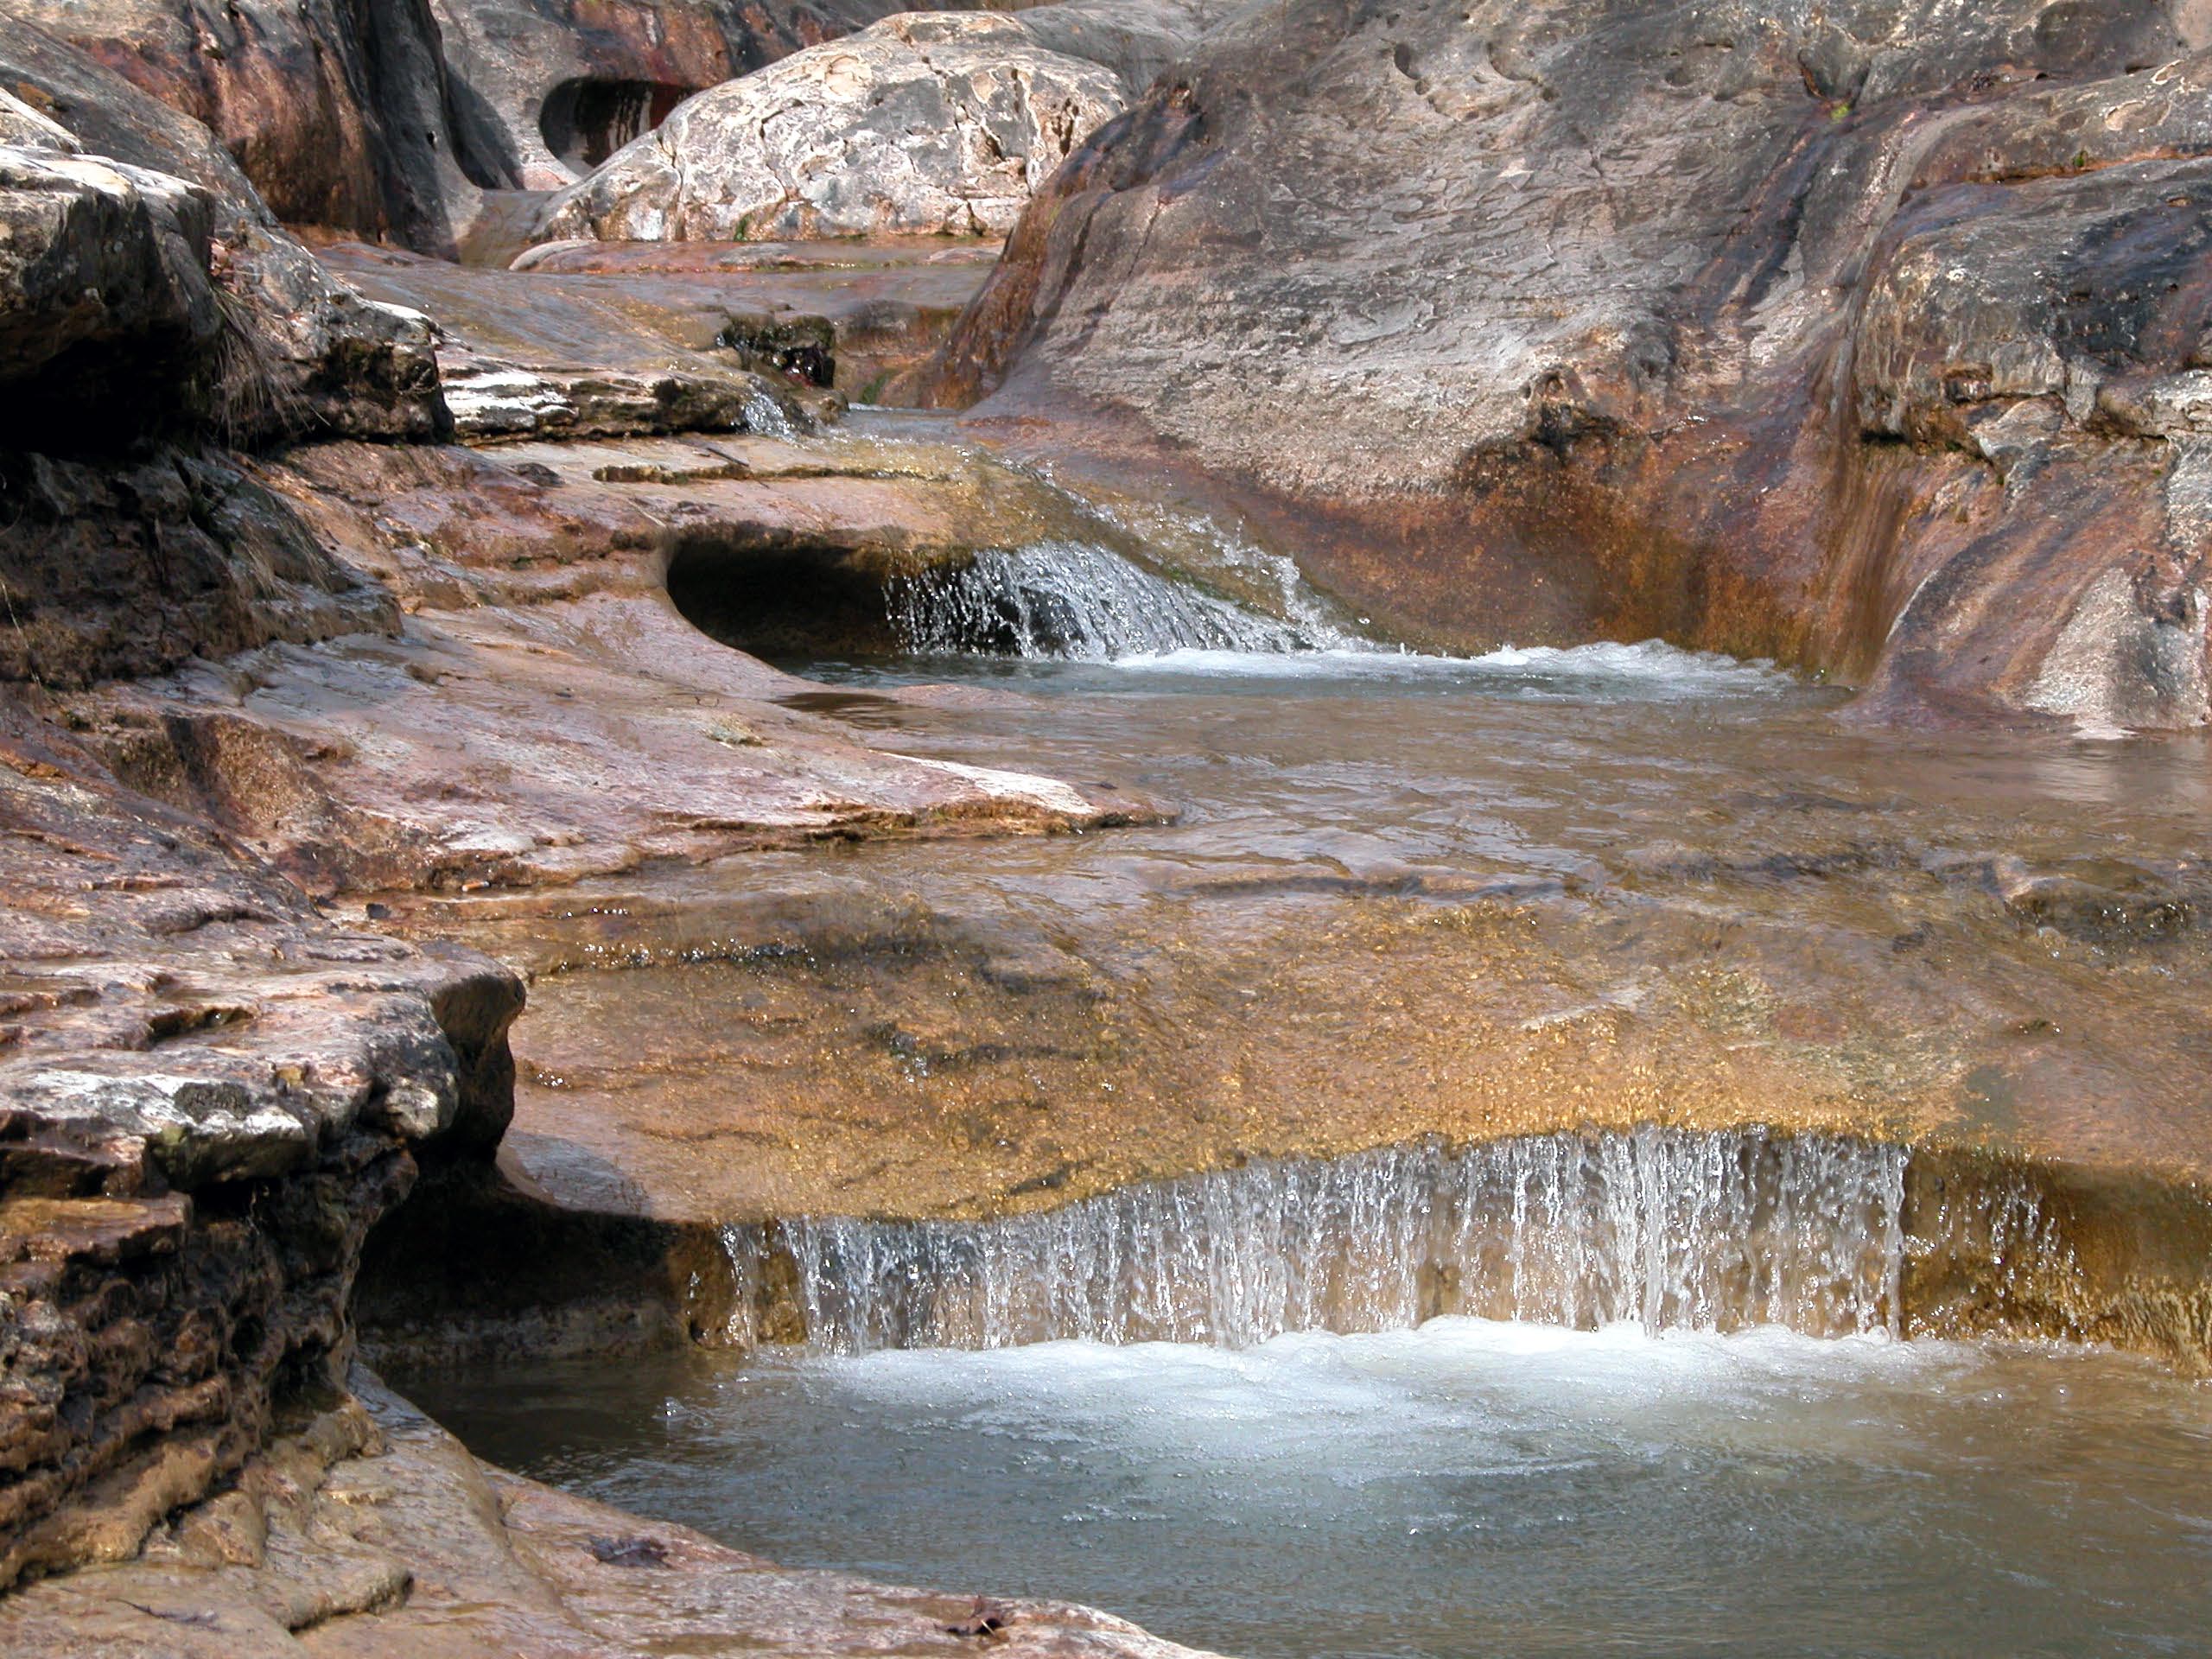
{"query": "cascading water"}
(1077, 601)
(1670, 1228)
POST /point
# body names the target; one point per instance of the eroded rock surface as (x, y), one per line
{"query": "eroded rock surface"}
(337, 109)
(928, 123)
(544, 91)
(1864, 337)
(207, 1098)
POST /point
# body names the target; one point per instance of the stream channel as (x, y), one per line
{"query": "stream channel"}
(1537, 1376)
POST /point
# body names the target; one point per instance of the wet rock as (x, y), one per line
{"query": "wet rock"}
(1861, 341)
(931, 124)
(862, 316)
(207, 1098)
(520, 357)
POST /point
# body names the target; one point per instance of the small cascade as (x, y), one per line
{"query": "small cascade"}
(1666, 1227)
(766, 418)
(1077, 601)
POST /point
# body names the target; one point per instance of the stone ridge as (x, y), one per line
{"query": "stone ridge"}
(1862, 337)
(207, 1098)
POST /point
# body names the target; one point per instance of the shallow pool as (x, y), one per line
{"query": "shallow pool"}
(1470, 1488)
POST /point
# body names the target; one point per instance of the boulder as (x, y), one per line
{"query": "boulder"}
(927, 124)
(1864, 337)
(106, 301)
(297, 350)
(545, 89)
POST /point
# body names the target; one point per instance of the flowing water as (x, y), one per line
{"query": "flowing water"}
(1524, 1373)
(1667, 1230)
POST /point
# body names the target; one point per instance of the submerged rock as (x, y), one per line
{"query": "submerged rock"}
(369, 1530)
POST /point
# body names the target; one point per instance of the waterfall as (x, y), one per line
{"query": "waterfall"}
(1667, 1228)
(1075, 600)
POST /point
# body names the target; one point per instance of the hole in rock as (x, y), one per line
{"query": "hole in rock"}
(790, 602)
(585, 121)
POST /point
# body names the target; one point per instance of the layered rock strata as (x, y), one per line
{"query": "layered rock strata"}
(235, 684)
(1860, 337)
(207, 1098)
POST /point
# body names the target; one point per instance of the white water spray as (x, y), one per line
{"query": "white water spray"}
(1078, 602)
(1666, 1229)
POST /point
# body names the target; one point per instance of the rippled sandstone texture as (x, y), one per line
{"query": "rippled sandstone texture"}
(1861, 335)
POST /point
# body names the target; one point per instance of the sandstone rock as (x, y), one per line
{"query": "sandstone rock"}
(933, 124)
(335, 109)
(545, 89)
(209, 1091)
(133, 566)
(30, 128)
(104, 297)
(297, 350)
(523, 358)
(207, 1098)
(1827, 337)
(861, 314)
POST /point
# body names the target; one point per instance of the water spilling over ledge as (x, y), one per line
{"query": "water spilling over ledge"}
(1075, 600)
(1670, 1229)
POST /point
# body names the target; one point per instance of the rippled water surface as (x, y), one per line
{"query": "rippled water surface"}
(1417, 902)
(1468, 1489)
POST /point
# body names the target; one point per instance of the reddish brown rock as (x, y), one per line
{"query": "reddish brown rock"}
(1867, 341)
(287, 351)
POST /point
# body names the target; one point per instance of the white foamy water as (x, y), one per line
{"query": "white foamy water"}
(1650, 670)
(1666, 1229)
(1078, 601)
(1082, 602)
(1465, 1490)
